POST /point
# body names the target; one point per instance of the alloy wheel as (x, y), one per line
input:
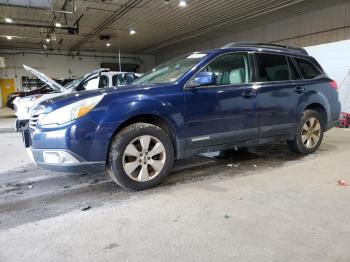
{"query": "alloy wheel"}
(144, 158)
(311, 132)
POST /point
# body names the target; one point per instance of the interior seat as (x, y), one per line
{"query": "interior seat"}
(237, 76)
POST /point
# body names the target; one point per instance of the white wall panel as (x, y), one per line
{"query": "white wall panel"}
(335, 60)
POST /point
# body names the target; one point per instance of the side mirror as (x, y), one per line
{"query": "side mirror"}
(204, 79)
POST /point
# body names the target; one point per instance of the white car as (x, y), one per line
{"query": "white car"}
(101, 78)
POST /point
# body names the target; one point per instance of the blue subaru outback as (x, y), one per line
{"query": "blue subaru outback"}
(236, 96)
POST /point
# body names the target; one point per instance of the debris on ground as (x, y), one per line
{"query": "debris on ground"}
(227, 216)
(343, 182)
(112, 245)
(176, 219)
(232, 165)
(84, 208)
(66, 187)
(30, 186)
(255, 166)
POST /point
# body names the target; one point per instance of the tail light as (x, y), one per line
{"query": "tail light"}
(334, 85)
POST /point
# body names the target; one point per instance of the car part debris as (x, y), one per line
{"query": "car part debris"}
(343, 182)
(85, 208)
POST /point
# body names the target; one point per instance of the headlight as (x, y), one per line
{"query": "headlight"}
(70, 112)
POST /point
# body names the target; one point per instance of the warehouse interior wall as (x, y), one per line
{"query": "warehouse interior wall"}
(337, 66)
(62, 65)
(301, 29)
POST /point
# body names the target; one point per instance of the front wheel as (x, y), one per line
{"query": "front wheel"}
(309, 133)
(140, 156)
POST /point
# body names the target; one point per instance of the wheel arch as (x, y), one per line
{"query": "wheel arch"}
(149, 119)
(321, 110)
(316, 101)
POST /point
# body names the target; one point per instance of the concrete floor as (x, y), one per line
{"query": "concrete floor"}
(274, 206)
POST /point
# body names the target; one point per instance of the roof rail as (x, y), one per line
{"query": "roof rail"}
(266, 45)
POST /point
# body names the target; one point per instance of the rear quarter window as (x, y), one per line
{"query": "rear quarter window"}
(308, 69)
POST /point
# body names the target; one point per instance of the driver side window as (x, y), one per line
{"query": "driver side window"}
(230, 69)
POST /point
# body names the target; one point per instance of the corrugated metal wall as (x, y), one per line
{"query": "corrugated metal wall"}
(312, 28)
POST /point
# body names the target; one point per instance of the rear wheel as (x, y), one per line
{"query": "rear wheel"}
(140, 157)
(309, 133)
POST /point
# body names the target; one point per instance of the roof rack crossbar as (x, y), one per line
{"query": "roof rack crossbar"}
(267, 45)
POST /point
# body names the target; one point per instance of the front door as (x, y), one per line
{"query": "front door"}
(224, 112)
(7, 87)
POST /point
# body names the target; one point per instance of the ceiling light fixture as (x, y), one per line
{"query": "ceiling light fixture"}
(108, 44)
(9, 37)
(57, 24)
(182, 3)
(132, 32)
(8, 20)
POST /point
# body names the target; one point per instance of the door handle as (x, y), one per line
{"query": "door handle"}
(299, 89)
(249, 94)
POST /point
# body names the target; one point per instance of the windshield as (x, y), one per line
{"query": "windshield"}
(171, 71)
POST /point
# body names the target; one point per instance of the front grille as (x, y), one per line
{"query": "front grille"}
(33, 121)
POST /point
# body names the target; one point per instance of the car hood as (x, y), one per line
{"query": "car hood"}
(67, 99)
(47, 80)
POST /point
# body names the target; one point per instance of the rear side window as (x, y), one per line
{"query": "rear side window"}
(272, 68)
(294, 75)
(307, 68)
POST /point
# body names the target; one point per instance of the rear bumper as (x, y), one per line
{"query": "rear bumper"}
(80, 166)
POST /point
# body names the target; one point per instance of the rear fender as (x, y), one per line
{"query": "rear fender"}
(313, 97)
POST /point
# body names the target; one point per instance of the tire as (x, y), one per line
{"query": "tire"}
(141, 169)
(307, 139)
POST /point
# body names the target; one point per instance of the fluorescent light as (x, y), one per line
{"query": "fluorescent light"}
(108, 44)
(47, 40)
(132, 32)
(57, 24)
(8, 20)
(9, 37)
(183, 3)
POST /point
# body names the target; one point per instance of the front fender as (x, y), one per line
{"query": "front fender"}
(116, 111)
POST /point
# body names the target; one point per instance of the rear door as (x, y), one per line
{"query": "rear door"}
(278, 94)
(224, 112)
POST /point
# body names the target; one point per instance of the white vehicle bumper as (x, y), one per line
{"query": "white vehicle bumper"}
(23, 113)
